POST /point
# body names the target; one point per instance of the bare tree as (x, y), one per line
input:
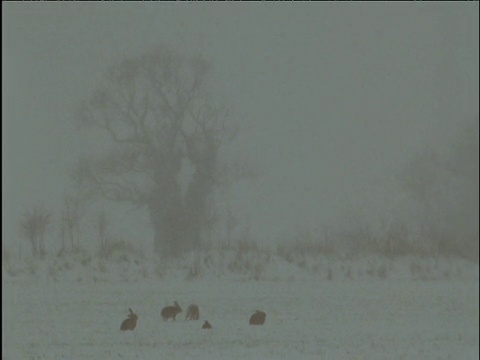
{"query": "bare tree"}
(33, 225)
(231, 223)
(462, 212)
(101, 226)
(73, 212)
(158, 116)
(445, 194)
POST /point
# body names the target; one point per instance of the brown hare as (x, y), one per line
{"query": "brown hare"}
(192, 312)
(171, 311)
(258, 318)
(131, 322)
(206, 325)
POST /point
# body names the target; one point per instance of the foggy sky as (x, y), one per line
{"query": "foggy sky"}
(332, 97)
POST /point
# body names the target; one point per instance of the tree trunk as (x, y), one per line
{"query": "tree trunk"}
(200, 190)
(196, 210)
(166, 215)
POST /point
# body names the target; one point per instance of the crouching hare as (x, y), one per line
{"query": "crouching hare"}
(258, 318)
(171, 311)
(131, 322)
(206, 325)
(192, 312)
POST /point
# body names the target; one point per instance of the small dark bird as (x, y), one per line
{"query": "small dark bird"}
(206, 325)
(131, 322)
(258, 318)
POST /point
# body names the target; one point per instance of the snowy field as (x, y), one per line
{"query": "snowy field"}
(307, 318)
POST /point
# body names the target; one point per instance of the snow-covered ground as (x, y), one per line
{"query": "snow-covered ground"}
(309, 316)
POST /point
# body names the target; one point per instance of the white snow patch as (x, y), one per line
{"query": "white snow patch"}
(411, 312)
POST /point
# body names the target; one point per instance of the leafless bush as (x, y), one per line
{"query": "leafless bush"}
(6, 255)
(73, 211)
(195, 269)
(231, 224)
(34, 225)
(101, 227)
(303, 246)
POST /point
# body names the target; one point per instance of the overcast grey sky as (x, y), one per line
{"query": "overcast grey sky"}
(332, 97)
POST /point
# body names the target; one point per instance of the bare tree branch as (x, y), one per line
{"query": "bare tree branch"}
(156, 113)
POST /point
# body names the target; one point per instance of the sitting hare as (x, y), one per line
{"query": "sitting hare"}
(206, 325)
(192, 312)
(131, 322)
(171, 311)
(258, 318)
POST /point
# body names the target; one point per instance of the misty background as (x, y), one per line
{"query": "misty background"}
(333, 102)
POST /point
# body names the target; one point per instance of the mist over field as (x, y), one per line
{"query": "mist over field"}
(319, 162)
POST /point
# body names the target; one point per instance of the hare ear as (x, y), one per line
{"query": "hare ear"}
(131, 312)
